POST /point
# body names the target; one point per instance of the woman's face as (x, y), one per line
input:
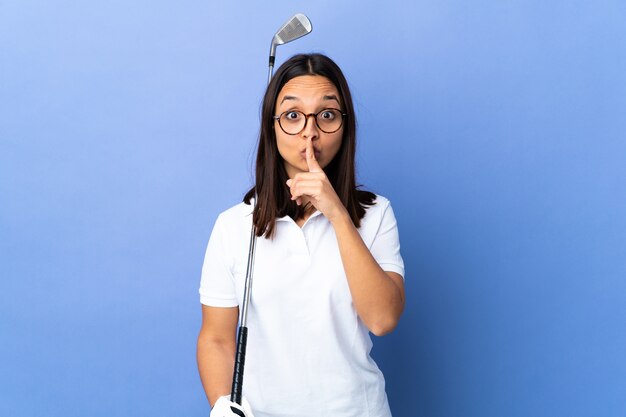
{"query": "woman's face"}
(307, 94)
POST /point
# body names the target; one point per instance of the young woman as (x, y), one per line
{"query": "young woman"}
(328, 268)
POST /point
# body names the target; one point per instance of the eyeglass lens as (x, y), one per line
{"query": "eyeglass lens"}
(328, 121)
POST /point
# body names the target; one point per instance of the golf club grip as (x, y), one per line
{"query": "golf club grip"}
(240, 359)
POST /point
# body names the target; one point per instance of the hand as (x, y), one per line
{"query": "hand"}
(314, 187)
(224, 407)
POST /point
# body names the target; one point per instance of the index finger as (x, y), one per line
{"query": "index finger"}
(311, 162)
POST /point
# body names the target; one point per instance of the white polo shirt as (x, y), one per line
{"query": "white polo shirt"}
(308, 351)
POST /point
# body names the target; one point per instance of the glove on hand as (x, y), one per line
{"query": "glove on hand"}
(224, 407)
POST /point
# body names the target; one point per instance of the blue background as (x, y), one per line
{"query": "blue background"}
(497, 129)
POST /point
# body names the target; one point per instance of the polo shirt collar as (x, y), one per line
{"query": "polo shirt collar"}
(284, 218)
(289, 219)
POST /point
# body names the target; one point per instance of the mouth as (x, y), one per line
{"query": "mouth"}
(316, 152)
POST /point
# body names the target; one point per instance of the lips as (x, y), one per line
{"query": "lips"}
(315, 151)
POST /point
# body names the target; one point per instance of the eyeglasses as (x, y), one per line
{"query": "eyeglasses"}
(293, 122)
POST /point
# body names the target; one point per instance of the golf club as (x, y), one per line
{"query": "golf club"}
(296, 27)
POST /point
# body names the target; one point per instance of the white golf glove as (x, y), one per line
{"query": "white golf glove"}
(222, 408)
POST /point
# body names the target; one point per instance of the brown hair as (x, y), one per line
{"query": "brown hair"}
(274, 199)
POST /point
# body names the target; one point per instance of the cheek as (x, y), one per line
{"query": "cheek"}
(331, 149)
(284, 146)
(336, 144)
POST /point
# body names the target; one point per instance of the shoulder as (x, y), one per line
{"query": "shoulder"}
(379, 217)
(376, 213)
(237, 216)
(237, 211)
(379, 205)
(381, 201)
(232, 228)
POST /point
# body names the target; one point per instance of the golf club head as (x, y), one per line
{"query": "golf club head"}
(296, 27)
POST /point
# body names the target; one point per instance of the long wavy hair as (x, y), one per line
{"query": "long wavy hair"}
(274, 199)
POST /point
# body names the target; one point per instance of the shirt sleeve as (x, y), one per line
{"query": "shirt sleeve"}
(217, 284)
(386, 245)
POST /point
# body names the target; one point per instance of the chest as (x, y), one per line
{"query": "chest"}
(299, 266)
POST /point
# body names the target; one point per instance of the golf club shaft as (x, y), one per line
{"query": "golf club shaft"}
(299, 26)
(271, 64)
(242, 336)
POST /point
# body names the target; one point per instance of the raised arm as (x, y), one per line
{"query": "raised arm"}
(378, 295)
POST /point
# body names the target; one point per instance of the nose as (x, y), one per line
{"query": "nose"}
(310, 128)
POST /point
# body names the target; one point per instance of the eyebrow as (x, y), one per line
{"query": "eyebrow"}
(325, 98)
(289, 98)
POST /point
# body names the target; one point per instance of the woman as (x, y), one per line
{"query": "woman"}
(328, 268)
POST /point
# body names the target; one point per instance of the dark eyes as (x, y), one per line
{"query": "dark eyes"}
(293, 122)
(327, 115)
(293, 115)
(324, 114)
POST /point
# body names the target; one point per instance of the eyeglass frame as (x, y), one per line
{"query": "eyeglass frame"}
(306, 120)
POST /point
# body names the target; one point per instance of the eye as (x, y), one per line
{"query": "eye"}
(328, 114)
(292, 115)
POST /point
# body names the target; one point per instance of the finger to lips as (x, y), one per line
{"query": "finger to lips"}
(311, 162)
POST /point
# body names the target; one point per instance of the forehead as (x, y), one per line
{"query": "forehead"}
(308, 87)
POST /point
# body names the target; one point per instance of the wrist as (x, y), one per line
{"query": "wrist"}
(341, 219)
